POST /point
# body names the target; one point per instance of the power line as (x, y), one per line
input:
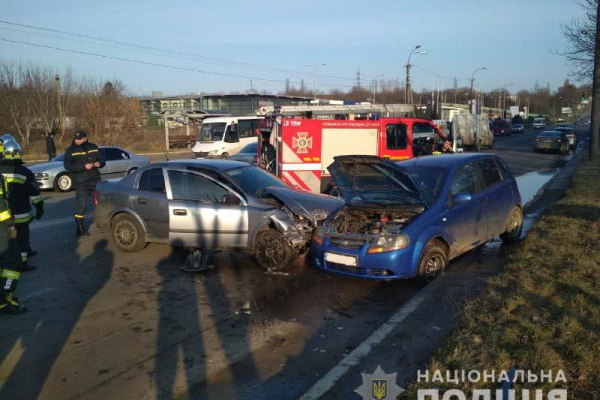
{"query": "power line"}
(161, 51)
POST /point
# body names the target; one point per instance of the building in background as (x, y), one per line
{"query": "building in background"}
(235, 104)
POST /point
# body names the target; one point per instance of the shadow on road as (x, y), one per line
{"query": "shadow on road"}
(42, 345)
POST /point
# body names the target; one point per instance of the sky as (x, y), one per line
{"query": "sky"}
(229, 45)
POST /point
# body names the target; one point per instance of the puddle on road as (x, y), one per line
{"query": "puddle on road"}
(529, 184)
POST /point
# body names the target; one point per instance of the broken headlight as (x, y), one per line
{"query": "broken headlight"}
(318, 235)
(388, 243)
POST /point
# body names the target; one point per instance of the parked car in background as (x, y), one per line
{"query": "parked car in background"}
(409, 219)
(248, 154)
(501, 127)
(552, 141)
(472, 131)
(570, 132)
(518, 128)
(119, 162)
(211, 204)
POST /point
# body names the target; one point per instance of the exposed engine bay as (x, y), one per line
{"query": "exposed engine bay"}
(372, 221)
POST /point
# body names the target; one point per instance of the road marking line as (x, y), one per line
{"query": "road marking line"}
(351, 360)
(59, 221)
(37, 293)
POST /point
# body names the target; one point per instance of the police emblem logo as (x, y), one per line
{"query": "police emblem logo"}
(379, 386)
(302, 143)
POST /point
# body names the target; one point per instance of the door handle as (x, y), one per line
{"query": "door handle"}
(179, 211)
(141, 201)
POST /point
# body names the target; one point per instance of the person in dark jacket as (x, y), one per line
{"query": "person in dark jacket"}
(22, 191)
(83, 161)
(10, 266)
(50, 146)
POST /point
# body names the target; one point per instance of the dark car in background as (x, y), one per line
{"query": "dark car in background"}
(570, 132)
(501, 127)
(518, 128)
(211, 204)
(248, 154)
(552, 141)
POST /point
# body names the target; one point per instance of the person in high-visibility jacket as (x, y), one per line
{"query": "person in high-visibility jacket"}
(10, 265)
(22, 191)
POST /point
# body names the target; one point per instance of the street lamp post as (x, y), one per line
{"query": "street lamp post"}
(473, 80)
(503, 97)
(315, 68)
(408, 93)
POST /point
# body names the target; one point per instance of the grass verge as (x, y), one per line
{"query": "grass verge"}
(543, 311)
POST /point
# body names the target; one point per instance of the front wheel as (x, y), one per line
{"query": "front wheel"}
(514, 225)
(433, 261)
(127, 233)
(63, 182)
(271, 251)
(225, 156)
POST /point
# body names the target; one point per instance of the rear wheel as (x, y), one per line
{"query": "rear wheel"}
(433, 261)
(271, 251)
(63, 182)
(225, 156)
(514, 225)
(127, 233)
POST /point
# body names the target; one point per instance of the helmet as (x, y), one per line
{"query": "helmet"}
(6, 137)
(12, 149)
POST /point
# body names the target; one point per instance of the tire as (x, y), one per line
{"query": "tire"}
(127, 233)
(63, 182)
(514, 225)
(271, 251)
(434, 260)
(225, 156)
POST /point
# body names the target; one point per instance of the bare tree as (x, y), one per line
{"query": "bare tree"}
(581, 38)
(15, 98)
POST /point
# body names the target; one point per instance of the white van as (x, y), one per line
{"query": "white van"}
(539, 123)
(223, 137)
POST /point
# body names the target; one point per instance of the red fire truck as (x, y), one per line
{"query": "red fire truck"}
(306, 147)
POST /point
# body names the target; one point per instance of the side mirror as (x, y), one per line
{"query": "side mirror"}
(230, 198)
(461, 198)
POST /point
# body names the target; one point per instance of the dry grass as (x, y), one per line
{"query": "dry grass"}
(543, 311)
(142, 141)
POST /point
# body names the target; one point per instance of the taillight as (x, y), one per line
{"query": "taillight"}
(95, 198)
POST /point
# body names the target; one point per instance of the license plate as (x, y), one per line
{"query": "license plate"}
(341, 259)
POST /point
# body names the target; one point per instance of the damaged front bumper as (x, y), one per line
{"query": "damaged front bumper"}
(348, 256)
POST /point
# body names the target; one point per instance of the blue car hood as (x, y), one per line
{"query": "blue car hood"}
(358, 175)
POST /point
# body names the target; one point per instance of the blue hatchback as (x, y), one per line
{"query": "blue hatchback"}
(408, 219)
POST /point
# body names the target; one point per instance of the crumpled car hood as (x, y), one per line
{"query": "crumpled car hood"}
(315, 207)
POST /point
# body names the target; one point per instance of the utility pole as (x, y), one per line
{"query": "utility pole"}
(315, 69)
(374, 82)
(408, 93)
(595, 127)
(61, 123)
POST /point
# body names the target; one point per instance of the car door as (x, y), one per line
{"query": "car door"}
(231, 140)
(198, 218)
(118, 161)
(498, 193)
(151, 204)
(467, 222)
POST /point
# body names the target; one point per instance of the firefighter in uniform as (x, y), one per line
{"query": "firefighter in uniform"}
(10, 265)
(83, 161)
(22, 191)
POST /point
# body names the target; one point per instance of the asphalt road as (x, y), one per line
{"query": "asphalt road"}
(103, 324)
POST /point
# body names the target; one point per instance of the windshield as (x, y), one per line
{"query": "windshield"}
(538, 120)
(568, 131)
(517, 126)
(252, 179)
(430, 180)
(211, 132)
(550, 134)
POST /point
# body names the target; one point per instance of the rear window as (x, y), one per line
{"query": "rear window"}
(550, 134)
(489, 171)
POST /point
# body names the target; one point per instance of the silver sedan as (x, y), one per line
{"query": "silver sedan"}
(211, 204)
(119, 162)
